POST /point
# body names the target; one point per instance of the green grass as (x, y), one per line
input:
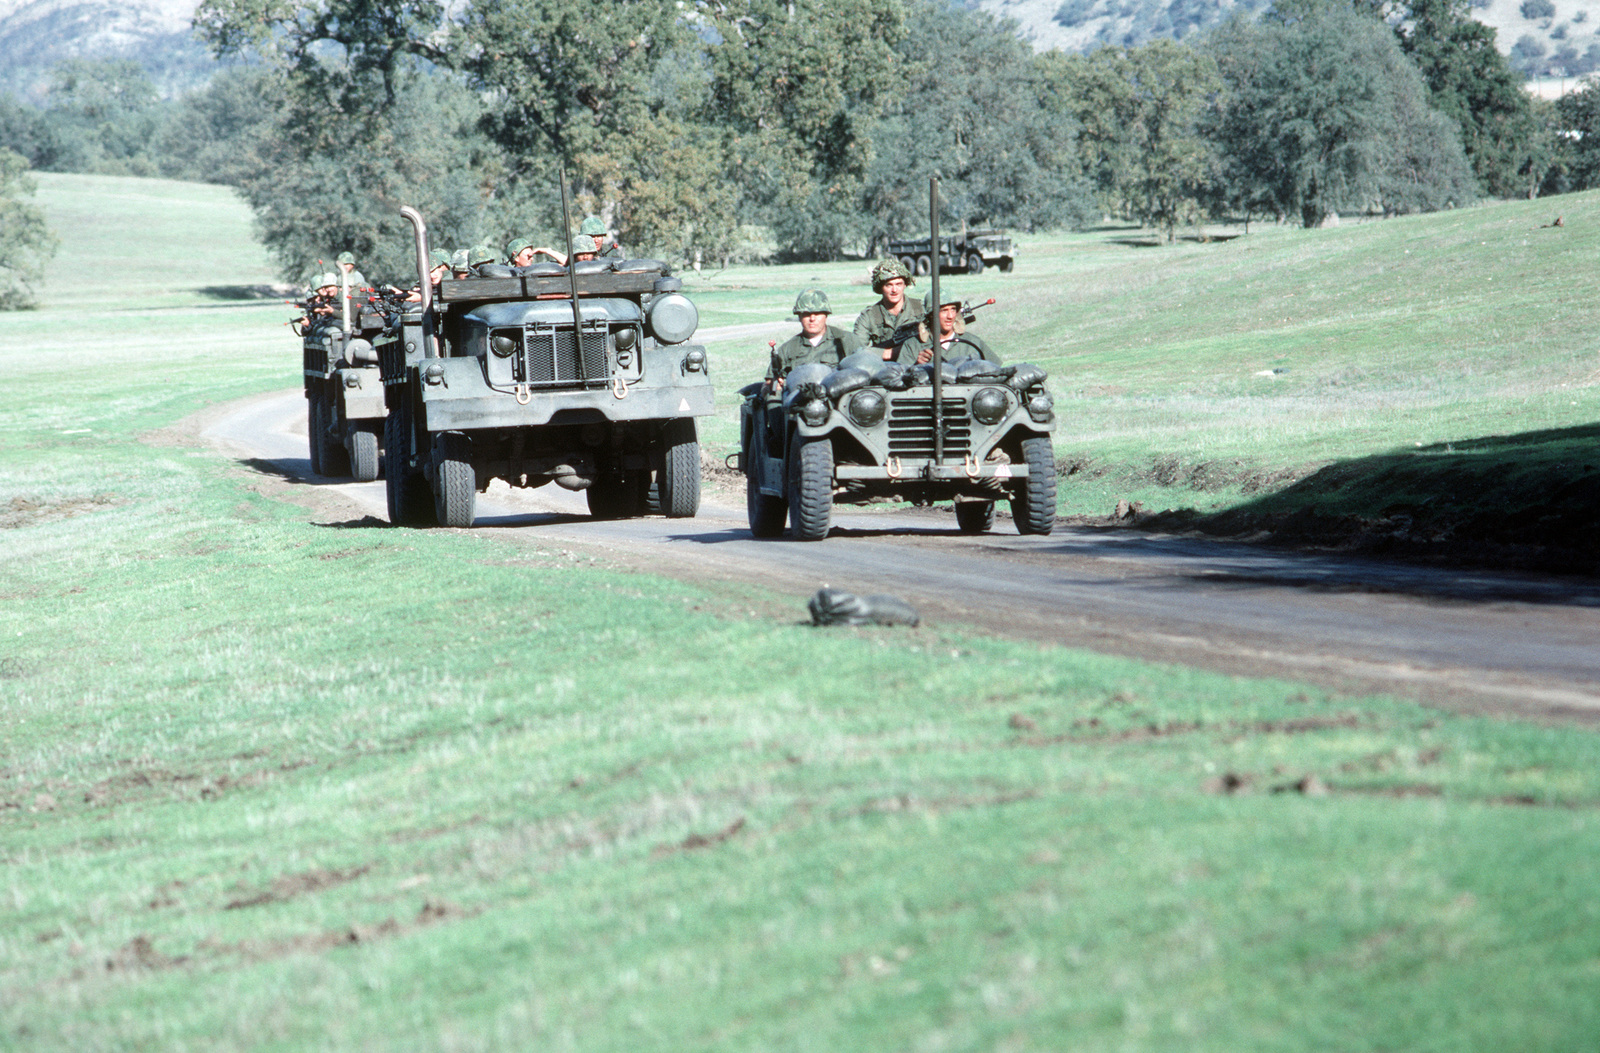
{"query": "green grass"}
(268, 783)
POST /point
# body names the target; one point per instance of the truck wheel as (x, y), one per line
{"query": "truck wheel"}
(1006, 263)
(364, 455)
(334, 457)
(766, 513)
(909, 264)
(313, 429)
(410, 503)
(811, 490)
(924, 265)
(680, 472)
(975, 517)
(974, 264)
(455, 484)
(1033, 503)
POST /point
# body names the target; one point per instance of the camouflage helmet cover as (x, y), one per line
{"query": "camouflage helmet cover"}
(458, 260)
(888, 270)
(584, 243)
(945, 301)
(324, 281)
(346, 257)
(812, 301)
(594, 226)
(438, 258)
(516, 245)
(481, 254)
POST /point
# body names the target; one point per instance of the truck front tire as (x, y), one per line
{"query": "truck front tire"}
(410, 503)
(455, 483)
(679, 483)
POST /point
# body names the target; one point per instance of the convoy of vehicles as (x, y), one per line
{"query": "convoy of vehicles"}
(584, 375)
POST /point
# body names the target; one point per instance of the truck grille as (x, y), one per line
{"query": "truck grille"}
(551, 357)
(911, 428)
(316, 355)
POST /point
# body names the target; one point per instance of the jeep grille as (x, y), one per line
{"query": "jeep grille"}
(911, 428)
(550, 357)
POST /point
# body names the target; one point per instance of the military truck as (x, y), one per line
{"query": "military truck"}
(344, 395)
(580, 375)
(969, 252)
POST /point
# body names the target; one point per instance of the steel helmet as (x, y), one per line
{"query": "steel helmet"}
(812, 301)
(886, 271)
(594, 226)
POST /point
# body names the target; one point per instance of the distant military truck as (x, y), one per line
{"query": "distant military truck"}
(868, 429)
(344, 394)
(506, 376)
(967, 253)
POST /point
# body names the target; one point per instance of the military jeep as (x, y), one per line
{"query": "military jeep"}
(869, 429)
(507, 375)
(344, 396)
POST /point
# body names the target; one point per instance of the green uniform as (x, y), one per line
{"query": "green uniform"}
(964, 346)
(875, 326)
(834, 344)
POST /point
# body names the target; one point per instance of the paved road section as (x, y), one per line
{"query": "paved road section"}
(1474, 640)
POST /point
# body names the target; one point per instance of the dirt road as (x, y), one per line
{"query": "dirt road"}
(1471, 640)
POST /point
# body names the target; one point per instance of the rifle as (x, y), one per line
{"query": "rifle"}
(969, 313)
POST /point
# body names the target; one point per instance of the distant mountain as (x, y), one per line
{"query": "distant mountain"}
(1542, 37)
(35, 35)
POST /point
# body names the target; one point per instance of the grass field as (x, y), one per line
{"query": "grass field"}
(268, 783)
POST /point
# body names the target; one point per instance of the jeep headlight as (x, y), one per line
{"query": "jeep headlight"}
(990, 406)
(815, 412)
(504, 346)
(866, 407)
(1041, 407)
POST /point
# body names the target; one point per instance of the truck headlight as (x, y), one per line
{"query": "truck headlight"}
(990, 406)
(866, 407)
(503, 346)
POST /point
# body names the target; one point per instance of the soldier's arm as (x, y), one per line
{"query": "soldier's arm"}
(863, 327)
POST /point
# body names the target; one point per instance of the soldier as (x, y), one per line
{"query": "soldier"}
(478, 256)
(438, 272)
(817, 341)
(954, 341)
(326, 299)
(876, 325)
(347, 264)
(520, 252)
(583, 248)
(458, 263)
(605, 244)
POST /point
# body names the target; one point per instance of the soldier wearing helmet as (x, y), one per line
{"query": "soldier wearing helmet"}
(605, 245)
(817, 341)
(458, 263)
(583, 248)
(875, 327)
(347, 264)
(954, 342)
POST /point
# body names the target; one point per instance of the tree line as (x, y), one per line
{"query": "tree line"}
(720, 130)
